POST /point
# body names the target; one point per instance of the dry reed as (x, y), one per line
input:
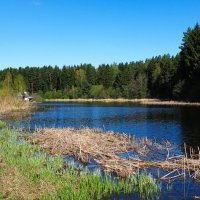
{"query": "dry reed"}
(140, 101)
(9, 104)
(105, 149)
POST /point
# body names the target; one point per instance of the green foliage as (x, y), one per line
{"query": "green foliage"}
(75, 93)
(7, 85)
(1, 85)
(125, 91)
(19, 84)
(147, 186)
(67, 77)
(156, 73)
(38, 97)
(91, 74)
(112, 93)
(190, 52)
(166, 76)
(80, 77)
(50, 95)
(105, 76)
(125, 74)
(189, 67)
(2, 124)
(97, 92)
(178, 89)
(138, 87)
(161, 73)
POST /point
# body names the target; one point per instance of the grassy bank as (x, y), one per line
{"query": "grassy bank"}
(140, 101)
(27, 172)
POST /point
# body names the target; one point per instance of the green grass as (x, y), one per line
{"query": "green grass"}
(58, 179)
(2, 124)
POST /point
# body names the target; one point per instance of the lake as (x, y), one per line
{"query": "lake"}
(177, 124)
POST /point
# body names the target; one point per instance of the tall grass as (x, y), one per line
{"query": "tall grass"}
(40, 176)
(11, 103)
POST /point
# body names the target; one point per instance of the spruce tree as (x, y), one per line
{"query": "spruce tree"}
(189, 66)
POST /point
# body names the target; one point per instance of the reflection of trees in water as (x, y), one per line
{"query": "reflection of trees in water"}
(165, 115)
(155, 115)
(190, 124)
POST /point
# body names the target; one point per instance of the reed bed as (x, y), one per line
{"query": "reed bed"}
(106, 149)
(140, 101)
(8, 104)
(85, 144)
(169, 103)
(107, 100)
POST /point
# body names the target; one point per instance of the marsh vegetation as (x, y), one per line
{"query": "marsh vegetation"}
(106, 149)
(27, 172)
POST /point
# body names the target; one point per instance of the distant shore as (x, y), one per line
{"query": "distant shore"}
(140, 101)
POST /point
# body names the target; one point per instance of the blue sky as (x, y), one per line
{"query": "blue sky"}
(67, 32)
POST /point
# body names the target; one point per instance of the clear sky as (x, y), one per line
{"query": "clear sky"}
(58, 32)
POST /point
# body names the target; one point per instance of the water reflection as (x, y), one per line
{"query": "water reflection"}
(190, 126)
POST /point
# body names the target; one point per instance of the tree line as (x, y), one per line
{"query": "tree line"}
(164, 77)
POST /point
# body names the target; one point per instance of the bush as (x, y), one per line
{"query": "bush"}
(75, 93)
(112, 93)
(38, 97)
(97, 92)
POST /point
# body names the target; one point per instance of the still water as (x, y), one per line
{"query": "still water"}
(177, 124)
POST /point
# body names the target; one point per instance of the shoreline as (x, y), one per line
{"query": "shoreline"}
(140, 101)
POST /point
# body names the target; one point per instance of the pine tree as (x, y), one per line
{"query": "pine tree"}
(189, 67)
(106, 76)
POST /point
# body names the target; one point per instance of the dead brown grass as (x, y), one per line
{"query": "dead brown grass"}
(169, 103)
(86, 143)
(104, 148)
(9, 104)
(120, 100)
(13, 184)
(140, 101)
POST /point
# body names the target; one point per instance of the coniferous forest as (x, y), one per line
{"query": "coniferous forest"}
(165, 77)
